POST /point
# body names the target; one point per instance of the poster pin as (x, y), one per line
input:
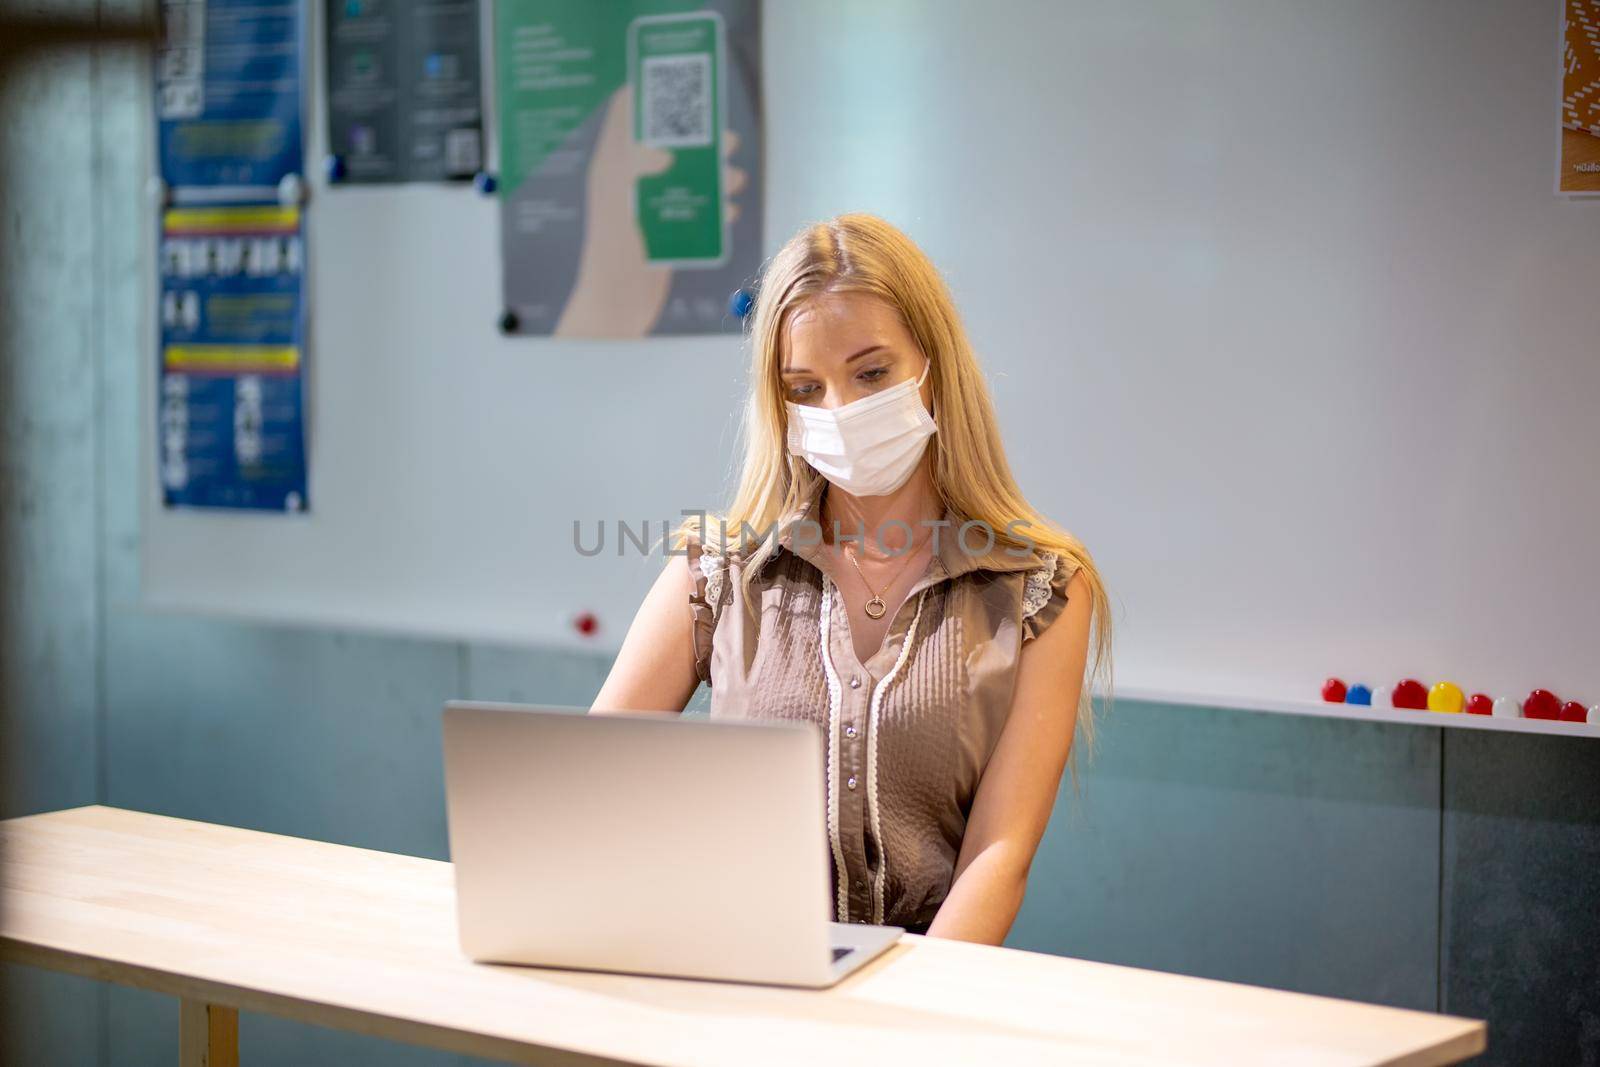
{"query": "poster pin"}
(291, 189)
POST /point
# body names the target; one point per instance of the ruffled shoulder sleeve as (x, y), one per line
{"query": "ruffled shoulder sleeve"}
(1044, 593)
(709, 569)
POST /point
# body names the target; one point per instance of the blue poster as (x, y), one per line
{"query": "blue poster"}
(231, 422)
(228, 92)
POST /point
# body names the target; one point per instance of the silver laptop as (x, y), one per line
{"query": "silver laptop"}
(645, 843)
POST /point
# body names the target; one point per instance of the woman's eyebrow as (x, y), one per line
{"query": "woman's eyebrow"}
(848, 359)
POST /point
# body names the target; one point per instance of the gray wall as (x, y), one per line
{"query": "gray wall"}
(1403, 865)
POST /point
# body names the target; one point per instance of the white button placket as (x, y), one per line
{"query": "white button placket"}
(842, 871)
(875, 708)
(848, 785)
(847, 761)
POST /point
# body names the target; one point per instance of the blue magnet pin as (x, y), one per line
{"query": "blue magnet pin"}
(484, 182)
(1358, 694)
(333, 167)
(740, 303)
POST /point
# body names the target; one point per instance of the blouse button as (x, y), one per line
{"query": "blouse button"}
(849, 731)
(855, 681)
(850, 781)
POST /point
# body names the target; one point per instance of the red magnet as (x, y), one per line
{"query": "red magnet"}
(1541, 704)
(586, 623)
(1572, 711)
(1480, 704)
(1411, 694)
(1333, 691)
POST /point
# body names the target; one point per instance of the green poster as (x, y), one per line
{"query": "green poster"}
(630, 164)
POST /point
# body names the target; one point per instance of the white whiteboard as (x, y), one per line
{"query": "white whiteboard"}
(1281, 314)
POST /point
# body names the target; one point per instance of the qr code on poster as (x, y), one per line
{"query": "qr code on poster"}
(677, 100)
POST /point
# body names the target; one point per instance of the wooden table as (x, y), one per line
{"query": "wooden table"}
(229, 919)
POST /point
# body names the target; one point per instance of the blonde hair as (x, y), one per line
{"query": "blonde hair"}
(865, 254)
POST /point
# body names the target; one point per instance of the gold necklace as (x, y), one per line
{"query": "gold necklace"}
(876, 607)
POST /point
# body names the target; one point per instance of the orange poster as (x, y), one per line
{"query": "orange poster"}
(1580, 98)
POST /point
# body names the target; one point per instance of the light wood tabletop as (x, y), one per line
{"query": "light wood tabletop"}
(228, 919)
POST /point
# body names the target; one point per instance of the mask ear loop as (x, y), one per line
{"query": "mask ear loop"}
(927, 370)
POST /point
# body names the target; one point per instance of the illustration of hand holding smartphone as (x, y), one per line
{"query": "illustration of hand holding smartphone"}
(659, 190)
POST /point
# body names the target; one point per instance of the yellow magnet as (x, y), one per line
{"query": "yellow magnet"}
(1446, 696)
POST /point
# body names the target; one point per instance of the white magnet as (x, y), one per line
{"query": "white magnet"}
(1383, 697)
(291, 190)
(1506, 708)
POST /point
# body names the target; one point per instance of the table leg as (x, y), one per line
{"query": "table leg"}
(208, 1034)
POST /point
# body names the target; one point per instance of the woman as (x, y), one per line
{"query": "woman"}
(880, 574)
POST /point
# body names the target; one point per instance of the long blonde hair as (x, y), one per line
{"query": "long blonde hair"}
(865, 254)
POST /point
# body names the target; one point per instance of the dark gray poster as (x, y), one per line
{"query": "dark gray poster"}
(630, 164)
(404, 96)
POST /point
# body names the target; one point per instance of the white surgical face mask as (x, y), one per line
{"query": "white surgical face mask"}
(868, 447)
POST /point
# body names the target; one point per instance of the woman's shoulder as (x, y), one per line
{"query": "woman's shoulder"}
(713, 560)
(708, 551)
(716, 544)
(716, 568)
(1045, 589)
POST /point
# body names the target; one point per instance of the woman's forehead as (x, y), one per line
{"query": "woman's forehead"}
(841, 321)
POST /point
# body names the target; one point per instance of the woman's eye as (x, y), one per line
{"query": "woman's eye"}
(800, 392)
(873, 375)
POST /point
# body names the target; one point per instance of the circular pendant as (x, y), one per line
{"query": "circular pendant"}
(876, 607)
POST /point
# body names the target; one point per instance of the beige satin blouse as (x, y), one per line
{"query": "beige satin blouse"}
(906, 734)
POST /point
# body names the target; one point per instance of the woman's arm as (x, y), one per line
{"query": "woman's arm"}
(655, 669)
(1019, 785)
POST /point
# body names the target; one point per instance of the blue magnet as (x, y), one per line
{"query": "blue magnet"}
(333, 166)
(1358, 694)
(740, 303)
(485, 183)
